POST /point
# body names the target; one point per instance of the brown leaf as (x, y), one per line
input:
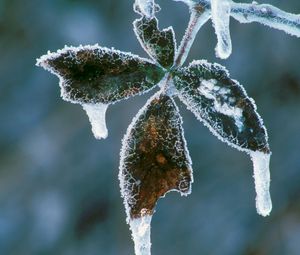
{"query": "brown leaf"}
(154, 157)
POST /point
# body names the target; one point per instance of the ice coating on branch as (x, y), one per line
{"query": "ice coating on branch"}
(197, 20)
(261, 163)
(145, 7)
(96, 114)
(220, 14)
(140, 229)
(268, 15)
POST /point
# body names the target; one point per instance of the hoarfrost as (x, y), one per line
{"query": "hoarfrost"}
(220, 14)
(146, 7)
(222, 104)
(159, 44)
(210, 90)
(261, 163)
(140, 229)
(96, 114)
(197, 20)
(267, 15)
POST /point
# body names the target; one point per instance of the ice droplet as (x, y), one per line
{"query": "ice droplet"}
(261, 163)
(220, 11)
(96, 114)
(140, 228)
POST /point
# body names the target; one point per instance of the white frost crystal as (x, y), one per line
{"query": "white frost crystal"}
(140, 228)
(261, 163)
(96, 114)
(267, 15)
(147, 7)
(220, 14)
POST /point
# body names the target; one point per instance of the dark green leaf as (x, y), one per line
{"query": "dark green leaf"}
(154, 157)
(92, 74)
(222, 104)
(160, 45)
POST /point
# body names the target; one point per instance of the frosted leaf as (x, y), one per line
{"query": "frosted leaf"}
(160, 45)
(96, 114)
(93, 74)
(154, 158)
(140, 229)
(222, 105)
(261, 163)
(220, 14)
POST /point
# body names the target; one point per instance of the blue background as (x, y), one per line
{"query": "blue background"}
(59, 189)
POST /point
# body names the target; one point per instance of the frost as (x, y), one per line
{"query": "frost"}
(96, 114)
(220, 13)
(94, 74)
(210, 90)
(197, 20)
(145, 7)
(267, 15)
(222, 105)
(159, 44)
(140, 228)
(154, 157)
(261, 163)
(154, 161)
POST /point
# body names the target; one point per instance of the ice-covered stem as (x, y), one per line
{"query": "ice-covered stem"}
(199, 16)
(140, 229)
(262, 13)
(267, 15)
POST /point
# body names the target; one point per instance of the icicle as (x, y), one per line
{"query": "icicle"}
(140, 228)
(220, 10)
(262, 182)
(146, 7)
(96, 114)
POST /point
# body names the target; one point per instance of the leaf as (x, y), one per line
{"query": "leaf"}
(221, 104)
(154, 157)
(93, 74)
(160, 45)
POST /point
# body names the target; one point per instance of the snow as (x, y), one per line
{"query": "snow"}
(140, 229)
(261, 163)
(220, 14)
(96, 114)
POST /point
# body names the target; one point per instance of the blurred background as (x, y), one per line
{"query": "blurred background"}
(59, 189)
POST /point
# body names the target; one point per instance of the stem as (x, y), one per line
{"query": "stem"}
(268, 15)
(199, 16)
(262, 13)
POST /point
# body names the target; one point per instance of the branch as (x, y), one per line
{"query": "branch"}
(262, 13)
(199, 16)
(267, 15)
